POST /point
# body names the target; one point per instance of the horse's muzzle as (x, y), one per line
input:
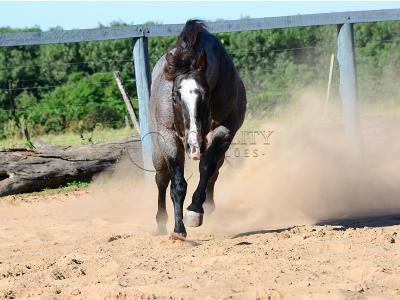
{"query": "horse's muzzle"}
(194, 153)
(194, 143)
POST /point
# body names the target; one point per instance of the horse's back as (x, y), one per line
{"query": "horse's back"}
(158, 68)
(161, 113)
(161, 95)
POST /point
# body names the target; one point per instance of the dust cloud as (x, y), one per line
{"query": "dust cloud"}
(311, 172)
(305, 172)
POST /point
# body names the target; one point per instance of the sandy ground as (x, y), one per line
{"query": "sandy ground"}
(51, 250)
(262, 242)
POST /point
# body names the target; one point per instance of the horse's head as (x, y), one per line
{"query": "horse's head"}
(190, 97)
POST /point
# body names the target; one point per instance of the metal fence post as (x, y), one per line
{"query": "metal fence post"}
(143, 82)
(348, 80)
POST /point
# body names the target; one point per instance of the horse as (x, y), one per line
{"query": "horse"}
(197, 104)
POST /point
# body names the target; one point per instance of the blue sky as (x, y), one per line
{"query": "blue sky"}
(71, 15)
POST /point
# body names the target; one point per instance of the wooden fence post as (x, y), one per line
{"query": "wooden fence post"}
(348, 80)
(328, 90)
(143, 82)
(127, 100)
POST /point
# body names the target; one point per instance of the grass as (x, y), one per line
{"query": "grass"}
(68, 188)
(99, 135)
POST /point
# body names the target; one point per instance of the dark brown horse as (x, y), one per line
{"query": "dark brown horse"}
(198, 103)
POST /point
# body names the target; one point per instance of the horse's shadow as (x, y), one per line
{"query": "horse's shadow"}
(374, 222)
(340, 224)
(262, 231)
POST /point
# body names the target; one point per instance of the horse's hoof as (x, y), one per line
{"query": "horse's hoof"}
(193, 219)
(177, 236)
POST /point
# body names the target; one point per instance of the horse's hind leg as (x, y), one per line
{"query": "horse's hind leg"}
(178, 193)
(209, 204)
(162, 180)
(170, 167)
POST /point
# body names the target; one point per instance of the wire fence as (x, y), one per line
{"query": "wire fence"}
(130, 61)
(8, 68)
(257, 87)
(49, 87)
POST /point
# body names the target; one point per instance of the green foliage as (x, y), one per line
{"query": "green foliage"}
(58, 61)
(158, 47)
(5, 116)
(69, 187)
(11, 129)
(75, 185)
(275, 63)
(70, 87)
(81, 103)
(378, 62)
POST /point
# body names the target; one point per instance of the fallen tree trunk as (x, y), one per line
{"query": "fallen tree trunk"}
(24, 171)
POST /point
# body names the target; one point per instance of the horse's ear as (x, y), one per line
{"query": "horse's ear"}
(201, 63)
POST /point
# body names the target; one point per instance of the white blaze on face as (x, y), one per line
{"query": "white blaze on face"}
(189, 97)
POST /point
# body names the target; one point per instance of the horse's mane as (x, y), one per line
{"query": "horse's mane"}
(183, 58)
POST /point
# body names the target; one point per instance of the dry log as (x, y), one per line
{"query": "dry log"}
(23, 171)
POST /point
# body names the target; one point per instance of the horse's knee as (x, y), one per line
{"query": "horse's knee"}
(207, 166)
(162, 180)
(181, 188)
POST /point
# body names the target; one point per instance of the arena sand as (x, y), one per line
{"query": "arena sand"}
(305, 214)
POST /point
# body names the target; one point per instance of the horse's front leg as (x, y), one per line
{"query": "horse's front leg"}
(209, 164)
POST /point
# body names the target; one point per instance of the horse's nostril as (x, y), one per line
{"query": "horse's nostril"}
(194, 153)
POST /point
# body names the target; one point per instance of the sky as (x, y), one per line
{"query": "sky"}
(74, 15)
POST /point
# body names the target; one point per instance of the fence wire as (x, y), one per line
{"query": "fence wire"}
(86, 133)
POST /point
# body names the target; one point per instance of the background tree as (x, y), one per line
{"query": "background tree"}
(57, 88)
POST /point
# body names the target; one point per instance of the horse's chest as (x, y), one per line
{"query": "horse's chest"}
(220, 110)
